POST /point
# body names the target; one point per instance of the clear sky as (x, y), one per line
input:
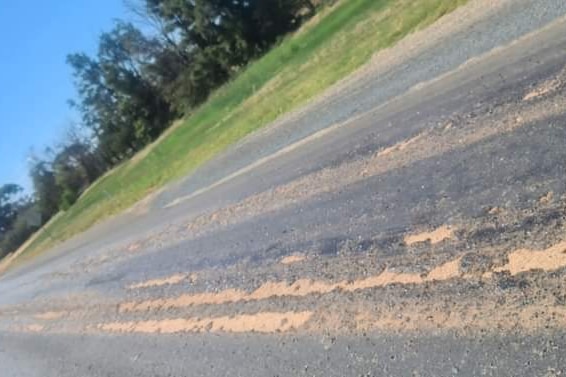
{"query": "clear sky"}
(35, 82)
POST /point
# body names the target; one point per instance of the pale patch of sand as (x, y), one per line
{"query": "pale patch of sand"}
(436, 236)
(399, 146)
(494, 211)
(50, 316)
(547, 199)
(300, 288)
(524, 260)
(34, 328)
(134, 247)
(171, 280)
(266, 322)
(291, 259)
(426, 316)
(546, 87)
(447, 271)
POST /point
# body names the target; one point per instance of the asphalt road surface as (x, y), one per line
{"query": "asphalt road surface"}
(411, 222)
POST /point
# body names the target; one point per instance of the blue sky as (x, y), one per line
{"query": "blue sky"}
(35, 82)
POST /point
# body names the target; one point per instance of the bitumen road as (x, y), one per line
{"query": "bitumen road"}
(410, 222)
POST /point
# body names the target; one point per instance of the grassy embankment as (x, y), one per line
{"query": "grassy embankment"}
(327, 48)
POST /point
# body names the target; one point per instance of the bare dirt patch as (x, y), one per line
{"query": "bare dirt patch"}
(399, 146)
(171, 280)
(524, 260)
(265, 322)
(300, 288)
(545, 88)
(34, 328)
(50, 316)
(417, 316)
(292, 259)
(438, 235)
(547, 199)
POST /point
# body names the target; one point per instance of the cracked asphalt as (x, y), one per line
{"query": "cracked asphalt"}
(387, 229)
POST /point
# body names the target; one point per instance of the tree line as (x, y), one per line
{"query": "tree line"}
(145, 74)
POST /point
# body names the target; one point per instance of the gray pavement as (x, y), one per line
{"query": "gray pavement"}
(478, 152)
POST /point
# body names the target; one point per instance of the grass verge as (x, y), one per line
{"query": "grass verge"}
(335, 43)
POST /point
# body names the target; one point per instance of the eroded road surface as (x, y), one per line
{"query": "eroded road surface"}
(423, 235)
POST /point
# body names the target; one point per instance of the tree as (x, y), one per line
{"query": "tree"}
(9, 206)
(14, 211)
(74, 167)
(47, 195)
(119, 103)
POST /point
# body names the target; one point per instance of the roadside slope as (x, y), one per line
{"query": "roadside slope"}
(474, 29)
(288, 76)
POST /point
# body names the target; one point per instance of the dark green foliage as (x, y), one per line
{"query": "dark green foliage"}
(131, 90)
(136, 84)
(9, 206)
(74, 171)
(14, 224)
(47, 193)
(20, 232)
(203, 43)
(119, 103)
(59, 180)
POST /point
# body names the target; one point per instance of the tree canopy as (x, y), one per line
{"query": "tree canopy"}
(8, 206)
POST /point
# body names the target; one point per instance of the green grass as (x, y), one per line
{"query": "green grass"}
(329, 47)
